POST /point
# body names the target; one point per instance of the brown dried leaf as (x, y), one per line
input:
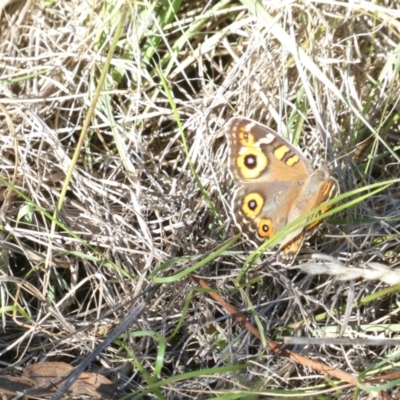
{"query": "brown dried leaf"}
(43, 379)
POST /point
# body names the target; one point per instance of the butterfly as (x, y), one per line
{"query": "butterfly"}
(277, 185)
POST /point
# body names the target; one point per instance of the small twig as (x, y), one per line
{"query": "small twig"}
(274, 346)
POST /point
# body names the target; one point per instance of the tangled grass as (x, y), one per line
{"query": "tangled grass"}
(116, 188)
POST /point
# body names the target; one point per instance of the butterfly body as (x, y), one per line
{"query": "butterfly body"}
(278, 185)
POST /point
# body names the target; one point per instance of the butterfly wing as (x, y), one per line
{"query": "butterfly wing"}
(257, 153)
(319, 188)
(261, 210)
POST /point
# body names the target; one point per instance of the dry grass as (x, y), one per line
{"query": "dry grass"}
(95, 200)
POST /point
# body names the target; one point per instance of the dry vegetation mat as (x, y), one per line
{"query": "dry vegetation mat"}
(123, 274)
